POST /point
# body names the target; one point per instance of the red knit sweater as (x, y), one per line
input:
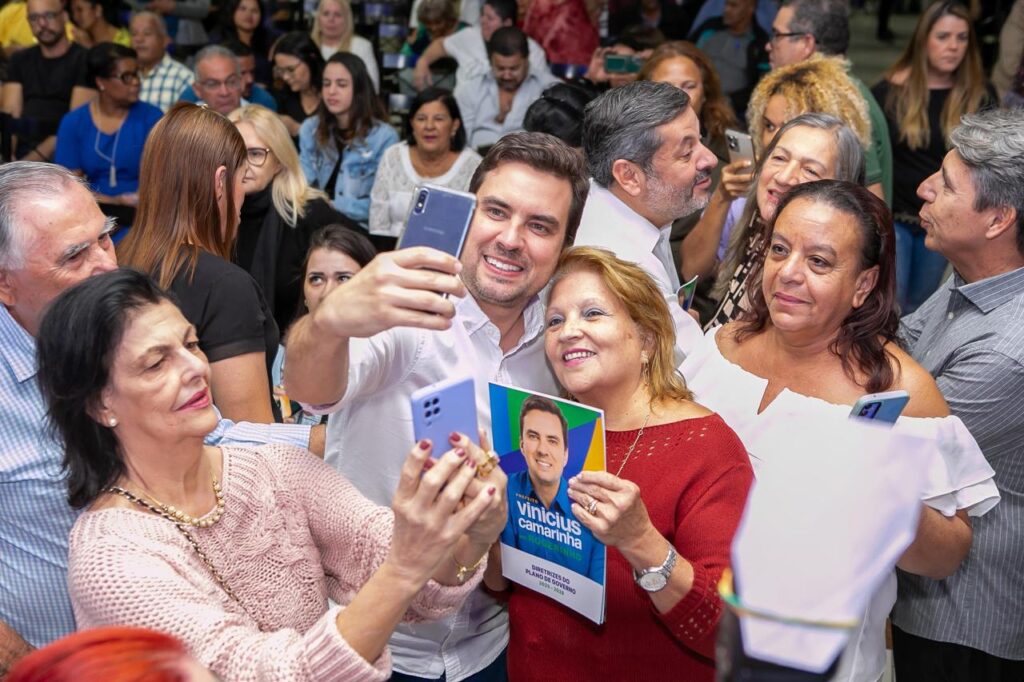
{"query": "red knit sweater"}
(693, 477)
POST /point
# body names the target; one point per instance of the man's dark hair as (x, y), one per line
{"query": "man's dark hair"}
(546, 154)
(77, 343)
(507, 10)
(827, 20)
(508, 41)
(622, 124)
(538, 403)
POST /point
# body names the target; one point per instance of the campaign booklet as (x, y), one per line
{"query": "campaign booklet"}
(543, 442)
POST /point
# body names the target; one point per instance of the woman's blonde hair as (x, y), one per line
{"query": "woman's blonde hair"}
(316, 32)
(819, 84)
(646, 306)
(178, 214)
(290, 191)
(908, 103)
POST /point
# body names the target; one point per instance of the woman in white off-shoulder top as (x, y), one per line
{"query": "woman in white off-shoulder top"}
(821, 332)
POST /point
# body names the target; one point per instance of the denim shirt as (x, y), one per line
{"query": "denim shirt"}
(358, 169)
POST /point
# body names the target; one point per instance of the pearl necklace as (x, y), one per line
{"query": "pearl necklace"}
(178, 515)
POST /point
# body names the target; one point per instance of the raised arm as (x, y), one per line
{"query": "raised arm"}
(397, 289)
(421, 73)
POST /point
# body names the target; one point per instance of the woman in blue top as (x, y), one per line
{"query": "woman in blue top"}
(342, 144)
(103, 139)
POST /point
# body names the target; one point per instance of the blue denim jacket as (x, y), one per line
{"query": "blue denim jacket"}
(358, 166)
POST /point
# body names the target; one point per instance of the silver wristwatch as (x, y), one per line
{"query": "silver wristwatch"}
(655, 578)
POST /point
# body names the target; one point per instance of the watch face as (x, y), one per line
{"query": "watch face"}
(654, 581)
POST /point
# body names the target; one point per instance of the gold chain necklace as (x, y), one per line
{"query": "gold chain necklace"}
(636, 440)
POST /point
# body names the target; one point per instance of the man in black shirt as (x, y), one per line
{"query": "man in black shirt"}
(44, 81)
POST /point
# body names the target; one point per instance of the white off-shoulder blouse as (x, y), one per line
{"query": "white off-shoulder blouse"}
(958, 476)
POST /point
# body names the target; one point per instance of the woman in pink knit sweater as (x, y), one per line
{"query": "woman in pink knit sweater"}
(236, 550)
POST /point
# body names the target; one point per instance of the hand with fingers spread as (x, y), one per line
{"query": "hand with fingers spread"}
(429, 517)
(397, 289)
(610, 507)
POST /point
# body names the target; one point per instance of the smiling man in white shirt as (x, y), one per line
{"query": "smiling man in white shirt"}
(385, 333)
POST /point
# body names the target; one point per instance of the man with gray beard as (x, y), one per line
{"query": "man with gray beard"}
(647, 168)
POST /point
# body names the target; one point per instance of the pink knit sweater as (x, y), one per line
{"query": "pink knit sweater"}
(294, 532)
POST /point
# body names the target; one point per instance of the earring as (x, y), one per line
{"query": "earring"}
(112, 422)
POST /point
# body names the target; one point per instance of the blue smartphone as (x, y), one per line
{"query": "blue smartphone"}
(438, 217)
(882, 407)
(441, 408)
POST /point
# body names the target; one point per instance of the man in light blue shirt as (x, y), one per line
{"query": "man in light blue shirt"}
(52, 236)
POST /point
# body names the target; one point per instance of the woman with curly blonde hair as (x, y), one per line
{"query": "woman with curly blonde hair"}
(820, 85)
(936, 80)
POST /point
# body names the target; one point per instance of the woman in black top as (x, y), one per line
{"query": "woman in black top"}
(300, 66)
(936, 80)
(280, 213)
(190, 191)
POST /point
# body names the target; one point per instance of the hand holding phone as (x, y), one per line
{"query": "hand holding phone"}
(439, 218)
(444, 408)
(741, 146)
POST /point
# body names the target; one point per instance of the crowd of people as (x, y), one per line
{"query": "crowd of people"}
(209, 338)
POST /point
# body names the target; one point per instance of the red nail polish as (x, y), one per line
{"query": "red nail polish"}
(491, 491)
(460, 452)
(453, 437)
(424, 444)
(428, 464)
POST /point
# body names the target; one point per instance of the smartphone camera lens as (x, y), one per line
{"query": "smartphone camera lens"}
(733, 143)
(421, 201)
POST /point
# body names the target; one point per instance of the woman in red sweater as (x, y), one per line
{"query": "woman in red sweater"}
(667, 507)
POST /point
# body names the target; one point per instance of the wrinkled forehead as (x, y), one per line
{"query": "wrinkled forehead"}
(49, 226)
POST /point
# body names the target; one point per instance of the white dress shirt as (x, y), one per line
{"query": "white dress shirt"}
(468, 49)
(370, 433)
(477, 97)
(610, 224)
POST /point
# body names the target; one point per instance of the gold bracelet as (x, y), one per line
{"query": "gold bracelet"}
(463, 572)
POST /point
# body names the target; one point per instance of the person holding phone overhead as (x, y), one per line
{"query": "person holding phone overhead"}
(819, 334)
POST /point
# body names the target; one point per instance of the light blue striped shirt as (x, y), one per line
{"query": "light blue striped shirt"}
(35, 518)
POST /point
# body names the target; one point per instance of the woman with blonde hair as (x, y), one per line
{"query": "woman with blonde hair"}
(280, 212)
(190, 192)
(819, 85)
(936, 80)
(334, 31)
(668, 504)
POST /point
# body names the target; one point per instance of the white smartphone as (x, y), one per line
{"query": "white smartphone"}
(741, 146)
(881, 407)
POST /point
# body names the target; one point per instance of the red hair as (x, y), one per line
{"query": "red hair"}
(114, 654)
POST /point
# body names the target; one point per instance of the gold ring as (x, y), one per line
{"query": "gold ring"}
(484, 469)
(592, 507)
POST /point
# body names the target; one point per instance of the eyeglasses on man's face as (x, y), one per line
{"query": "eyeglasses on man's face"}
(231, 83)
(39, 17)
(779, 35)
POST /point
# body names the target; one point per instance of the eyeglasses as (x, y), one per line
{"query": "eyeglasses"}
(128, 77)
(232, 83)
(777, 36)
(257, 156)
(43, 16)
(282, 71)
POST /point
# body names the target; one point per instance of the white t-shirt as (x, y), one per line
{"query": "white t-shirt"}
(396, 179)
(467, 47)
(959, 477)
